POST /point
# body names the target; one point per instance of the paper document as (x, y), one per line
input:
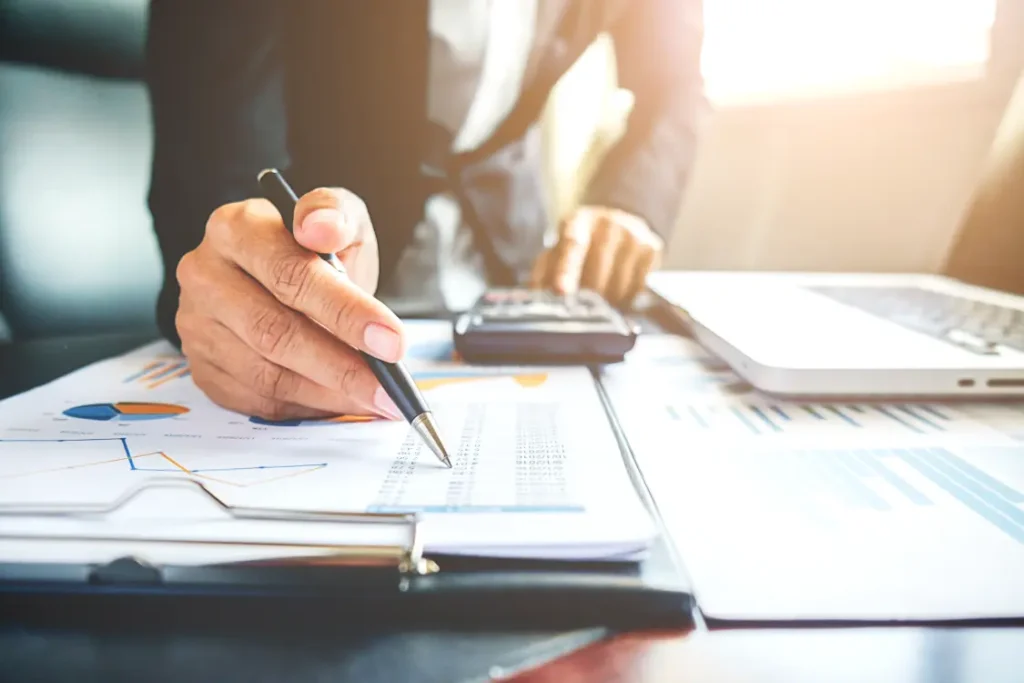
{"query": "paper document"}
(536, 469)
(783, 510)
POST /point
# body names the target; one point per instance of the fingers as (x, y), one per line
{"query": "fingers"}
(252, 235)
(608, 251)
(569, 255)
(604, 255)
(539, 273)
(328, 220)
(231, 394)
(646, 262)
(620, 286)
(278, 353)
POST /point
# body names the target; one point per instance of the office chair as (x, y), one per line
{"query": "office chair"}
(77, 252)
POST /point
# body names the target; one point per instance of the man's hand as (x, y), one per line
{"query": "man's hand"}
(269, 328)
(607, 250)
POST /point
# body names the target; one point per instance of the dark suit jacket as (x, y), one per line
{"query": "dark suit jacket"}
(334, 91)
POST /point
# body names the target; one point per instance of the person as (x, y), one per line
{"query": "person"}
(409, 128)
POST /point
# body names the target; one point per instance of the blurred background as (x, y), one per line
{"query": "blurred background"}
(871, 135)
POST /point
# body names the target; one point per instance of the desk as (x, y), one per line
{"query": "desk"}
(892, 655)
(268, 652)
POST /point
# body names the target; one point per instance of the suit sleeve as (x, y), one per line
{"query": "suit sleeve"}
(216, 84)
(657, 46)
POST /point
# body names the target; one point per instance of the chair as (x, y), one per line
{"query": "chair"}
(77, 252)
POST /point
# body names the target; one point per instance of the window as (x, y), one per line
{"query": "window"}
(757, 49)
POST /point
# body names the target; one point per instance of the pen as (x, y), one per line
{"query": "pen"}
(394, 377)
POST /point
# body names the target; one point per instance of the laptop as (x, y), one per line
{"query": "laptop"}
(863, 334)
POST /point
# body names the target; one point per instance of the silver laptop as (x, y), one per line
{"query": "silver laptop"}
(812, 334)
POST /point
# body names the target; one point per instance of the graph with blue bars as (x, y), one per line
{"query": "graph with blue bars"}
(887, 479)
(758, 418)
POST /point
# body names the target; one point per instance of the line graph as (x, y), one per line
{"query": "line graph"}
(434, 379)
(160, 461)
(426, 381)
(159, 372)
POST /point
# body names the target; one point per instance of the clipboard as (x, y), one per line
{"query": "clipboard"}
(377, 585)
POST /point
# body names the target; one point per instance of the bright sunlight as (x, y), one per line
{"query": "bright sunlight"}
(756, 49)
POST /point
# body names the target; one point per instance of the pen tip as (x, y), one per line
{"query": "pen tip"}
(424, 425)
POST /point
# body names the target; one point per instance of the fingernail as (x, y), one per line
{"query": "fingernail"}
(330, 218)
(385, 405)
(382, 342)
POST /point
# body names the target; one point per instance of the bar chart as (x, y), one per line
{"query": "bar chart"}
(883, 480)
(764, 418)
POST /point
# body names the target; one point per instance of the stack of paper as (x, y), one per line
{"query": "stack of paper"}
(786, 510)
(537, 471)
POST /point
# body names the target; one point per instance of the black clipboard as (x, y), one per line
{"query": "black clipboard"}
(376, 586)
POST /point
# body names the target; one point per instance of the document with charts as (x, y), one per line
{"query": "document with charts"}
(792, 510)
(536, 468)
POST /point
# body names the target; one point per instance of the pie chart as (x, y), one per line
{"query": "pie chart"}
(125, 411)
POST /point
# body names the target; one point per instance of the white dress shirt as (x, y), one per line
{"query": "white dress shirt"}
(478, 56)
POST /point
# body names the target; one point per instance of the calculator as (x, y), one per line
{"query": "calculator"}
(533, 326)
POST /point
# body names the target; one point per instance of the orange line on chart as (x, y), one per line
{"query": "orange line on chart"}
(525, 381)
(174, 375)
(150, 367)
(225, 481)
(279, 477)
(153, 373)
(171, 461)
(74, 467)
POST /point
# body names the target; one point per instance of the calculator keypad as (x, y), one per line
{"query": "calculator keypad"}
(536, 326)
(533, 306)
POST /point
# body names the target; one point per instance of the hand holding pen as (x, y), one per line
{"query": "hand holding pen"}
(273, 330)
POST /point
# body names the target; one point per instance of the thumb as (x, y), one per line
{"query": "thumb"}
(323, 222)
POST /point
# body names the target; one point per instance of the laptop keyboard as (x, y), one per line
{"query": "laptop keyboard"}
(970, 324)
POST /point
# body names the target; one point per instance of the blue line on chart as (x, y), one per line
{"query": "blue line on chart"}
(934, 411)
(965, 468)
(856, 409)
(743, 418)
(672, 412)
(131, 459)
(74, 440)
(1005, 517)
(846, 418)
(1010, 494)
(140, 374)
(697, 416)
(127, 452)
(851, 461)
(831, 474)
(164, 373)
(846, 473)
(897, 418)
(203, 470)
(813, 412)
(871, 460)
(928, 422)
(781, 413)
(764, 418)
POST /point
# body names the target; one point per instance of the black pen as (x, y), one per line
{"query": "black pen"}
(394, 377)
